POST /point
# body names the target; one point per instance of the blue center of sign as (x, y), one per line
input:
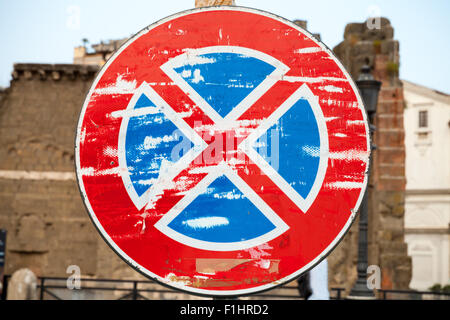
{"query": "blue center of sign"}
(223, 213)
(292, 146)
(225, 79)
(150, 139)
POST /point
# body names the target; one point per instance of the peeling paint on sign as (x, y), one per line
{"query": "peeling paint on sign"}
(222, 151)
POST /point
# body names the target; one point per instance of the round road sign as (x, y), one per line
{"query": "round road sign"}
(222, 151)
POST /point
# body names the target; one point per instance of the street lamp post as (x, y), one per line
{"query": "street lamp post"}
(369, 88)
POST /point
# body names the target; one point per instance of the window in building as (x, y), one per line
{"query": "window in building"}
(423, 119)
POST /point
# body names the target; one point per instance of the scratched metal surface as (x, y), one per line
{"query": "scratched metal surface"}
(222, 151)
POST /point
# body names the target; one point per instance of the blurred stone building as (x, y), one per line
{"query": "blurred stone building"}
(99, 54)
(427, 205)
(387, 247)
(40, 205)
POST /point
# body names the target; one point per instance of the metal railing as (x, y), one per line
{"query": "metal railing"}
(55, 288)
(412, 295)
(388, 294)
(46, 286)
(339, 293)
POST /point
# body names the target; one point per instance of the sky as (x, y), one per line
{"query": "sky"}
(46, 31)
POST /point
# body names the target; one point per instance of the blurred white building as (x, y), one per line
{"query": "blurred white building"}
(427, 203)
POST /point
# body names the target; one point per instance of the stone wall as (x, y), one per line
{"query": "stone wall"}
(40, 205)
(387, 247)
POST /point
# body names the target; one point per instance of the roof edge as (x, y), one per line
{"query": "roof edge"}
(45, 71)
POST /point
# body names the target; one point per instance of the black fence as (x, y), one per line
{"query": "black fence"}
(412, 295)
(56, 288)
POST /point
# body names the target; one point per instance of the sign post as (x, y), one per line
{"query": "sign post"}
(222, 151)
